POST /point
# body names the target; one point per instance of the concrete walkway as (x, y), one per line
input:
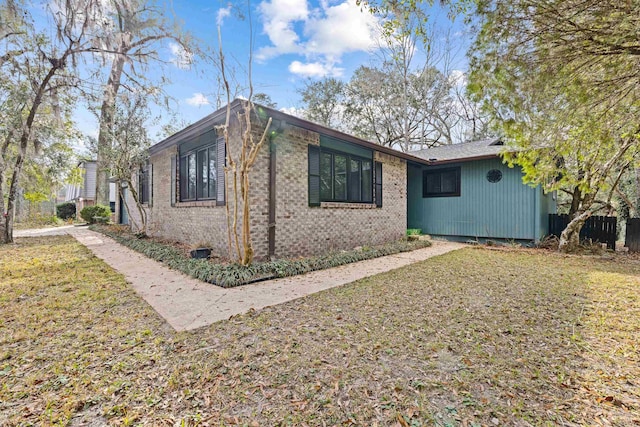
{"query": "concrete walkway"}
(47, 231)
(186, 303)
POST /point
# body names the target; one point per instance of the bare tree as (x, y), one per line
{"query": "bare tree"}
(130, 33)
(410, 97)
(128, 155)
(240, 158)
(324, 101)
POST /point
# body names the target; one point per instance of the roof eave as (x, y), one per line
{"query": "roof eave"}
(464, 159)
(315, 127)
(193, 129)
(214, 117)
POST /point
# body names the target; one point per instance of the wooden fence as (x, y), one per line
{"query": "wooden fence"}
(601, 229)
(632, 240)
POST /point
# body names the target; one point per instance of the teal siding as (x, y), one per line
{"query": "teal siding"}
(504, 210)
(547, 206)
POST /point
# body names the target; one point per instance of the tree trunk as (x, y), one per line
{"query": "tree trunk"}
(141, 229)
(570, 236)
(2, 211)
(22, 150)
(106, 123)
(637, 195)
(576, 199)
(3, 174)
(13, 189)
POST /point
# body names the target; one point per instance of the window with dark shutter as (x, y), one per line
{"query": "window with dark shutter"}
(174, 183)
(339, 177)
(221, 156)
(314, 176)
(198, 168)
(143, 184)
(441, 182)
(150, 183)
(377, 182)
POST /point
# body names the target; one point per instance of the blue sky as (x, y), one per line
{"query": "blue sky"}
(294, 40)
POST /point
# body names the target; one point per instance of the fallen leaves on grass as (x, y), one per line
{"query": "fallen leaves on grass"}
(472, 338)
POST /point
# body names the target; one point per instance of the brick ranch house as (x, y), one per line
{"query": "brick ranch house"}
(313, 189)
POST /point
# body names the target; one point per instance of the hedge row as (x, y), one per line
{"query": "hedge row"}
(230, 275)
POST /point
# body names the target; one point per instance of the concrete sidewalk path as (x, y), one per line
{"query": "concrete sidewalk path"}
(186, 303)
(47, 231)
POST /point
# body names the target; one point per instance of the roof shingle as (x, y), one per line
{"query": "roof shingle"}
(484, 148)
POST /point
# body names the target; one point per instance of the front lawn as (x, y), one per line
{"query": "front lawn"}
(472, 338)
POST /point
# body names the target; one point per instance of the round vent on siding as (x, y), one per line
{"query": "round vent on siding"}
(494, 175)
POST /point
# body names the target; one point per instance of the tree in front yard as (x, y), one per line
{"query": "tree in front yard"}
(35, 84)
(131, 33)
(239, 159)
(561, 80)
(128, 151)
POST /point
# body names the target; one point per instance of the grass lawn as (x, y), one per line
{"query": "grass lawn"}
(477, 337)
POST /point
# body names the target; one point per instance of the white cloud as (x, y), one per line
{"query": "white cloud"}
(223, 13)
(315, 69)
(279, 17)
(343, 28)
(180, 57)
(197, 100)
(322, 35)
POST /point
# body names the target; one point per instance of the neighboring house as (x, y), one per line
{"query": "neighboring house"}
(84, 194)
(466, 192)
(313, 189)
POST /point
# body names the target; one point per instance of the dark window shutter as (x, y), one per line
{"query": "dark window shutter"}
(221, 161)
(377, 182)
(150, 183)
(174, 181)
(314, 175)
(140, 187)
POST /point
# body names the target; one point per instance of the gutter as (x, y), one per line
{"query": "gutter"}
(216, 117)
(462, 160)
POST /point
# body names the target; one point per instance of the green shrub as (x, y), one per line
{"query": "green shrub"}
(230, 275)
(66, 210)
(96, 213)
(413, 231)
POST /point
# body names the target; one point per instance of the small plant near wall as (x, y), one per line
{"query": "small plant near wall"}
(413, 234)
